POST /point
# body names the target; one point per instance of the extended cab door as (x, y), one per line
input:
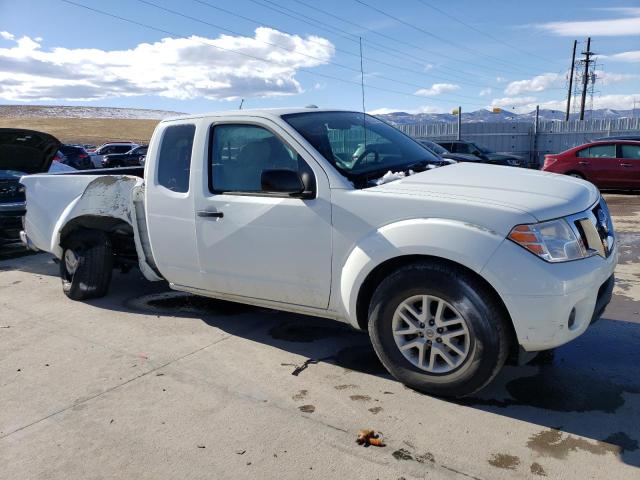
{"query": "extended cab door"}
(169, 202)
(253, 242)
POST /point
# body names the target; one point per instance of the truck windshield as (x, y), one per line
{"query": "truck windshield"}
(360, 146)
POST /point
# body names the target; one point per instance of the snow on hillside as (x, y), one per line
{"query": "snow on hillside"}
(54, 111)
(477, 116)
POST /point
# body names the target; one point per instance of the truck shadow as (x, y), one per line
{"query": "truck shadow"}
(589, 387)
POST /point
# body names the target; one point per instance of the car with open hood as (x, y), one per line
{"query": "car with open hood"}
(338, 214)
(22, 152)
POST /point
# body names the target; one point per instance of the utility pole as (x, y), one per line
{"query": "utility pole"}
(569, 95)
(585, 77)
(459, 123)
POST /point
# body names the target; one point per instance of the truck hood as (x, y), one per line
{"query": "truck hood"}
(541, 194)
(26, 151)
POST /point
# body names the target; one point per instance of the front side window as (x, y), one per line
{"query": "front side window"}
(360, 146)
(602, 151)
(630, 151)
(240, 153)
(174, 160)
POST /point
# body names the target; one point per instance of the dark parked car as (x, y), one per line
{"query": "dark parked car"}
(128, 159)
(611, 164)
(444, 153)
(76, 157)
(484, 154)
(22, 152)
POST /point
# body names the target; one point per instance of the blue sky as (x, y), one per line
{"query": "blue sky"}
(419, 55)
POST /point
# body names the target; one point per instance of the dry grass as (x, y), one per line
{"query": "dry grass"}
(87, 130)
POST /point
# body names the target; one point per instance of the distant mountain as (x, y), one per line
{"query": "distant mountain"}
(404, 118)
(55, 111)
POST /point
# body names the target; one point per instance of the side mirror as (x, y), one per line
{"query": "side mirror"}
(282, 181)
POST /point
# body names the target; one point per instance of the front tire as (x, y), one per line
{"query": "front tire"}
(438, 329)
(86, 265)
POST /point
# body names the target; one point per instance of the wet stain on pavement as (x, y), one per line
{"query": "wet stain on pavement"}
(623, 441)
(300, 395)
(375, 410)
(564, 391)
(425, 457)
(537, 469)
(361, 359)
(307, 408)
(553, 443)
(561, 391)
(402, 454)
(502, 460)
(360, 398)
(307, 331)
(345, 387)
(187, 303)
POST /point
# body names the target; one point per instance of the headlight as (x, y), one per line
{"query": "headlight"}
(553, 241)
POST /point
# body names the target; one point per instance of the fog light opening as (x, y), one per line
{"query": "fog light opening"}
(572, 318)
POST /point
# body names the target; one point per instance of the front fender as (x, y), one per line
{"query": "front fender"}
(464, 243)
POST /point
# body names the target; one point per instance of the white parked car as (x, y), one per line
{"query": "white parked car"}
(449, 269)
(108, 149)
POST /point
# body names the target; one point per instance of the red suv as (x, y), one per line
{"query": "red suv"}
(607, 164)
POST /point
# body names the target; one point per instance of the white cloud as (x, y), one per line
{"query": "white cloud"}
(538, 83)
(608, 78)
(437, 89)
(7, 35)
(413, 111)
(500, 79)
(508, 102)
(181, 68)
(428, 66)
(528, 104)
(615, 27)
(485, 91)
(630, 56)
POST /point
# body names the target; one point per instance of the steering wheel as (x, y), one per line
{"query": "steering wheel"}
(363, 155)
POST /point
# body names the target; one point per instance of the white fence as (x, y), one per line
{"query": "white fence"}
(522, 138)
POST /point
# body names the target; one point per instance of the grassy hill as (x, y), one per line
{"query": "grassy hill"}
(86, 130)
(76, 124)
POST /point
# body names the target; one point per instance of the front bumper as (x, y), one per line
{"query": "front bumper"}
(11, 220)
(550, 304)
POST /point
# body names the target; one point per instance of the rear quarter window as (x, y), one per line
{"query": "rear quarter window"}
(174, 159)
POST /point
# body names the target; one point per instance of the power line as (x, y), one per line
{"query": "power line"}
(413, 58)
(253, 57)
(346, 52)
(204, 22)
(486, 34)
(439, 38)
(314, 23)
(296, 16)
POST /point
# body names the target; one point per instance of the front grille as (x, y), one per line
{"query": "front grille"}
(10, 191)
(595, 229)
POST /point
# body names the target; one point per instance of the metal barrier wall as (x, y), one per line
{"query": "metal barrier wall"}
(523, 138)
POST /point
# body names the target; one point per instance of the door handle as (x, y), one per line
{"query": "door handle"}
(583, 163)
(209, 214)
(626, 165)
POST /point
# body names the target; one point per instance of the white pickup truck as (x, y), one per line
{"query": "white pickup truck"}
(449, 269)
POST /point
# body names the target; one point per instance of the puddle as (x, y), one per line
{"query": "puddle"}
(553, 443)
(562, 391)
(308, 330)
(307, 408)
(169, 302)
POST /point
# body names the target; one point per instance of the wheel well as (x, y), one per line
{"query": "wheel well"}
(386, 268)
(575, 172)
(120, 233)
